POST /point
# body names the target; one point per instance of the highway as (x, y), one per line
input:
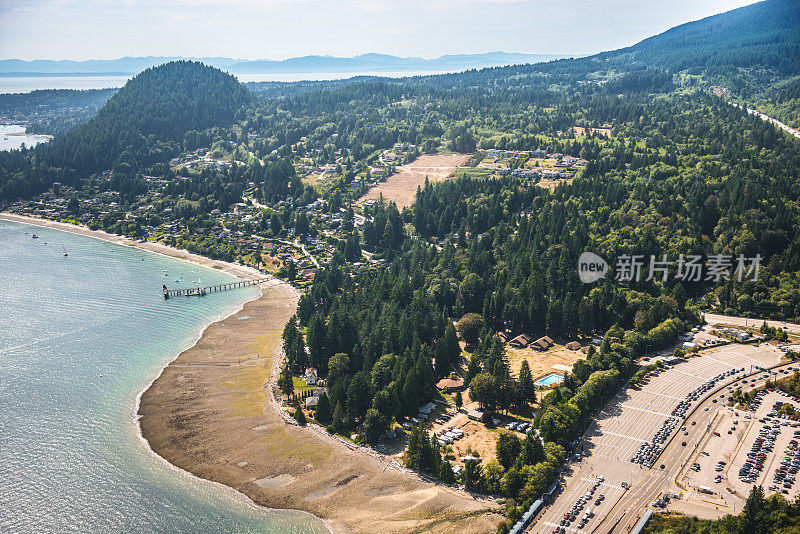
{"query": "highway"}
(713, 318)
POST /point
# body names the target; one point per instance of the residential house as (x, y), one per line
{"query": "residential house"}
(310, 376)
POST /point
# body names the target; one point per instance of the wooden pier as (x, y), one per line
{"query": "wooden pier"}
(203, 291)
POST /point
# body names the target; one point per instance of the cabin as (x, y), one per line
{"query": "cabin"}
(427, 408)
(542, 344)
(573, 345)
(521, 341)
(451, 383)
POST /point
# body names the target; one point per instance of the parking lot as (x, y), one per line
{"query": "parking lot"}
(633, 418)
(710, 462)
(773, 451)
(593, 497)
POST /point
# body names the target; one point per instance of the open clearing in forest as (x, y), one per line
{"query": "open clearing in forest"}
(541, 363)
(402, 186)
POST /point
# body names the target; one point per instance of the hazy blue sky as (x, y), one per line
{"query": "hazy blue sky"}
(277, 29)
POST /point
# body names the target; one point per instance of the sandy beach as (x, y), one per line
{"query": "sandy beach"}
(211, 413)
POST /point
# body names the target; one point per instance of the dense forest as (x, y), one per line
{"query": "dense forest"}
(764, 35)
(53, 111)
(157, 114)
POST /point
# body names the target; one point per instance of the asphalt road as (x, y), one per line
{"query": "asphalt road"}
(713, 318)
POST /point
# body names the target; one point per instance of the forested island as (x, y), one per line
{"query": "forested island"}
(640, 151)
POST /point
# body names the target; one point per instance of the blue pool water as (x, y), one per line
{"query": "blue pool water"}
(549, 380)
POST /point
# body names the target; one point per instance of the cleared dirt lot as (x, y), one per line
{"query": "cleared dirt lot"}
(549, 183)
(402, 186)
(579, 130)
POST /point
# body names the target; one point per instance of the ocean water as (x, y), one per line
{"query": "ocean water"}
(8, 142)
(26, 84)
(80, 337)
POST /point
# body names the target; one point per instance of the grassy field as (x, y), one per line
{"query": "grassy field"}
(541, 363)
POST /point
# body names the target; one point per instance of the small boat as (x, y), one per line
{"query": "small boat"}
(64, 250)
(34, 236)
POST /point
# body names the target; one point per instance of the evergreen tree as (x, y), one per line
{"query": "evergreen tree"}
(527, 386)
(472, 475)
(446, 473)
(508, 448)
(285, 381)
(300, 417)
(323, 412)
(375, 426)
(316, 343)
(340, 423)
(452, 347)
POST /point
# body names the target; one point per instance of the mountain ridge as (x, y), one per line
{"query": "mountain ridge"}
(312, 63)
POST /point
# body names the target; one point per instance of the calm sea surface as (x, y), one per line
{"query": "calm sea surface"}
(26, 84)
(80, 337)
(8, 142)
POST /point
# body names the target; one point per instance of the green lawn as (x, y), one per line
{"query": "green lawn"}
(300, 384)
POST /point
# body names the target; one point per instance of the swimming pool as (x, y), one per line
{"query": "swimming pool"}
(549, 380)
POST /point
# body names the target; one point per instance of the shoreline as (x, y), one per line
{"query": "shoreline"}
(210, 413)
(136, 419)
(242, 273)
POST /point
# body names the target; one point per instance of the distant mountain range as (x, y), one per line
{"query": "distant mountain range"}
(305, 64)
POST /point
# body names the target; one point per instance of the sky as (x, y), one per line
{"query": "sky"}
(279, 29)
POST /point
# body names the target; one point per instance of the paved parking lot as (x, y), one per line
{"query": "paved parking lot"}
(610, 491)
(772, 459)
(632, 418)
(703, 467)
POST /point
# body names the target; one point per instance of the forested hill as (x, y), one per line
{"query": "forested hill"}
(149, 118)
(765, 34)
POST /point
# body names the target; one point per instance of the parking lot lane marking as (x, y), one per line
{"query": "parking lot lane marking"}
(646, 410)
(663, 395)
(703, 378)
(746, 358)
(570, 529)
(624, 436)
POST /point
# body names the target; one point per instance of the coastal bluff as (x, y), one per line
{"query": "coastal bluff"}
(211, 414)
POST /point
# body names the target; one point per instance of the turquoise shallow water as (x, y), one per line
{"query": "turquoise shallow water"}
(80, 337)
